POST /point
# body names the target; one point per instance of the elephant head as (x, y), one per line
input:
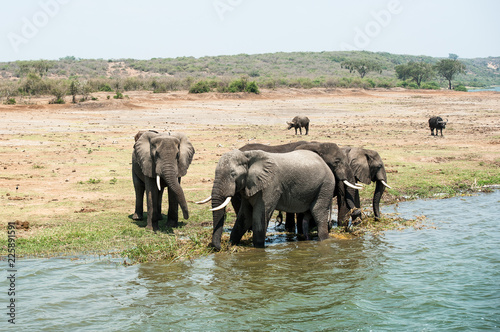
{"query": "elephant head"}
(368, 167)
(246, 173)
(165, 158)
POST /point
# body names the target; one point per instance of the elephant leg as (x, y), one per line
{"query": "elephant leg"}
(321, 214)
(173, 210)
(152, 194)
(305, 219)
(300, 129)
(139, 197)
(242, 224)
(342, 208)
(307, 129)
(259, 223)
(290, 222)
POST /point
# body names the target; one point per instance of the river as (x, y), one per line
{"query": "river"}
(443, 277)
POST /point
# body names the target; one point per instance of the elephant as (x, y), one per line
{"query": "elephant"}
(436, 122)
(297, 182)
(368, 167)
(160, 160)
(298, 122)
(336, 160)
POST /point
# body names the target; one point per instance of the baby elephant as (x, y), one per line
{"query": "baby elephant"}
(436, 122)
(298, 122)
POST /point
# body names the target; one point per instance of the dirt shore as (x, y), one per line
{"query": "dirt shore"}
(58, 159)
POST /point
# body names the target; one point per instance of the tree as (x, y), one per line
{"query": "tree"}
(361, 66)
(417, 71)
(448, 68)
(74, 87)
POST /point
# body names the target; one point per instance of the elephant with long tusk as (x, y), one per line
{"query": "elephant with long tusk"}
(297, 182)
(368, 167)
(158, 162)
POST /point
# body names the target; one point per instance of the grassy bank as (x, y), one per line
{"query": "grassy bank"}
(74, 186)
(88, 208)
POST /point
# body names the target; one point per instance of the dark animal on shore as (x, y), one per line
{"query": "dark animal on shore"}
(368, 167)
(299, 122)
(436, 122)
(158, 162)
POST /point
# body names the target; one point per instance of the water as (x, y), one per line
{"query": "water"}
(494, 88)
(445, 277)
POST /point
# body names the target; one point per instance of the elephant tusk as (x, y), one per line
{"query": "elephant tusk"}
(223, 205)
(385, 184)
(347, 183)
(206, 200)
(158, 182)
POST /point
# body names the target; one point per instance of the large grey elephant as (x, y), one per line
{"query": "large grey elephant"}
(160, 160)
(337, 161)
(296, 182)
(368, 167)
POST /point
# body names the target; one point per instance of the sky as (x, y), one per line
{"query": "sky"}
(114, 29)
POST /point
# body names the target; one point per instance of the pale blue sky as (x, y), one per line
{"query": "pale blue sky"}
(50, 29)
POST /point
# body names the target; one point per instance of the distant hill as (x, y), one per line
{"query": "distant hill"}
(305, 69)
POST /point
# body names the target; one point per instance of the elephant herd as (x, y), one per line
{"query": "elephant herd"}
(299, 178)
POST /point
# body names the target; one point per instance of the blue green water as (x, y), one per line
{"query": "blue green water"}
(443, 277)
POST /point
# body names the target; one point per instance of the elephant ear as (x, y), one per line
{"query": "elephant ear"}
(359, 165)
(377, 169)
(261, 170)
(142, 151)
(186, 153)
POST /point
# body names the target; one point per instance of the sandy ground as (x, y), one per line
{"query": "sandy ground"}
(48, 148)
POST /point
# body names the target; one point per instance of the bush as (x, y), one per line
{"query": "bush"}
(105, 88)
(237, 86)
(10, 101)
(460, 88)
(430, 86)
(252, 88)
(118, 95)
(200, 87)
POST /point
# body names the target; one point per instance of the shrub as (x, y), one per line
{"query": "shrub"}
(460, 88)
(200, 87)
(10, 101)
(237, 86)
(252, 88)
(430, 86)
(105, 87)
(118, 95)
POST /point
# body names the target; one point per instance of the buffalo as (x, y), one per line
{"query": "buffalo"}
(436, 122)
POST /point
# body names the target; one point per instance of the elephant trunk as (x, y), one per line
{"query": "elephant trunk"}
(379, 190)
(170, 177)
(219, 215)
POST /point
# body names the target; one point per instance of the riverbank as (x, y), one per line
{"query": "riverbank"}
(65, 169)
